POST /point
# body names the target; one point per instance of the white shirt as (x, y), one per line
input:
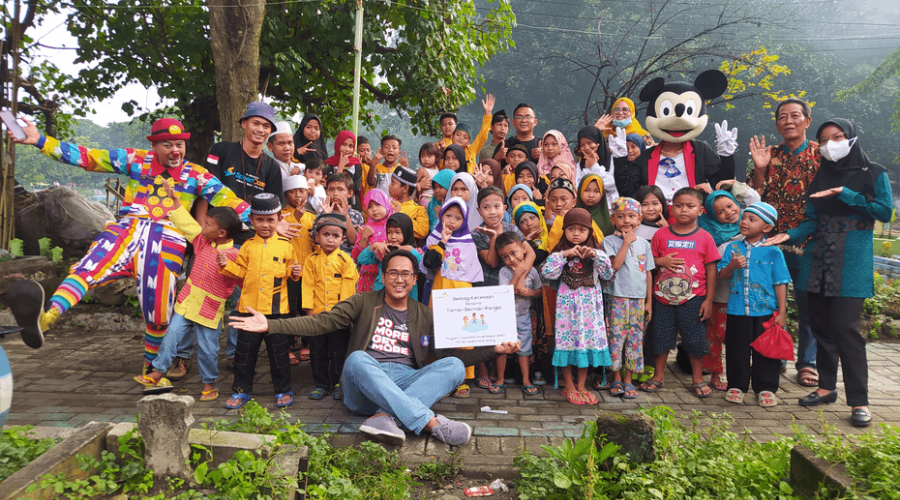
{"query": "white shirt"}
(286, 167)
(670, 185)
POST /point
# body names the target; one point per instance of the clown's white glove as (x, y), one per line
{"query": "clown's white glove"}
(617, 144)
(726, 140)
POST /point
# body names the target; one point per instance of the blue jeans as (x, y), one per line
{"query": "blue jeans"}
(181, 328)
(405, 393)
(806, 342)
(231, 343)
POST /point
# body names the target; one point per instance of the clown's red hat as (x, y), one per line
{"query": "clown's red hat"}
(167, 129)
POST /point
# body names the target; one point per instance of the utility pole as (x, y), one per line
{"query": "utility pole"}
(357, 72)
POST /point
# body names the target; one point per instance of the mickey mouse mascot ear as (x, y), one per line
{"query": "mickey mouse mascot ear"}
(677, 115)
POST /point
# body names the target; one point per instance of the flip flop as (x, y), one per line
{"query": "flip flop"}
(484, 383)
(529, 390)
(735, 396)
(26, 302)
(617, 389)
(210, 395)
(462, 391)
(293, 359)
(153, 387)
(538, 379)
(242, 400)
(497, 389)
(652, 385)
(571, 397)
(304, 354)
(698, 390)
(628, 388)
(588, 397)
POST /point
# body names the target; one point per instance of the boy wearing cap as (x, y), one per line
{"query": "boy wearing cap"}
(281, 144)
(296, 192)
(402, 189)
(143, 243)
(329, 276)
(264, 263)
(759, 279)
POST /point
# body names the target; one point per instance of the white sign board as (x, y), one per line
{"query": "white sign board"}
(472, 317)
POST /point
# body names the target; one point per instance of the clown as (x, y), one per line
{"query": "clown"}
(143, 244)
(677, 115)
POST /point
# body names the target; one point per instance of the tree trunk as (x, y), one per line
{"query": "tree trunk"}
(201, 117)
(235, 27)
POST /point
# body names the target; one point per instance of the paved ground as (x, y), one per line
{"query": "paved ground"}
(83, 374)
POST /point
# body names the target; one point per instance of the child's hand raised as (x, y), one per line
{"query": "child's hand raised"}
(488, 231)
(302, 151)
(670, 261)
(327, 206)
(379, 155)
(591, 157)
(587, 253)
(738, 261)
(221, 260)
(662, 222)
(446, 233)
(365, 233)
(404, 159)
(488, 104)
(572, 252)
(296, 270)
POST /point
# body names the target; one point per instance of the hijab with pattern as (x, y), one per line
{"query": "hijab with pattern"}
(600, 211)
(460, 253)
(564, 157)
(529, 207)
(300, 140)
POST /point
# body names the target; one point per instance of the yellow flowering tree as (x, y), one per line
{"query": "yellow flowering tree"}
(755, 74)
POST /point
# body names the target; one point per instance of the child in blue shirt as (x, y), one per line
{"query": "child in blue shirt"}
(759, 277)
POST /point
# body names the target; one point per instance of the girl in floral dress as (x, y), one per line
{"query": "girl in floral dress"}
(579, 264)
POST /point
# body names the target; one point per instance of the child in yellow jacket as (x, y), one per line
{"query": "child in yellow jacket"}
(264, 263)
(329, 276)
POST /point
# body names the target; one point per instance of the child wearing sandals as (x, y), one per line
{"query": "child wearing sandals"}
(264, 263)
(759, 276)
(579, 264)
(526, 282)
(627, 296)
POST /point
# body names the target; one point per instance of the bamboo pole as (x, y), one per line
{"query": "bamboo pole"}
(357, 71)
(7, 202)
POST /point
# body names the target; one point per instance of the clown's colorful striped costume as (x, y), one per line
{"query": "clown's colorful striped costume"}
(137, 245)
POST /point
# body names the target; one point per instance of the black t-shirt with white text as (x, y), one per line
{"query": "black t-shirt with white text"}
(390, 341)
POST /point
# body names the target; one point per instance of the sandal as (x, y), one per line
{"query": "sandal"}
(238, 400)
(735, 396)
(484, 383)
(293, 359)
(319, 393)
(154, 387)
(646, 375)
(304, 354)
(630, 388)
(808, 377)
(617, 389)
(462, 391)
(497, 389)
(602, 384)
(210, 395)
(529, 390)
(698, 390)
(588, 397)
(573, 397)
(538, 379)
(722, 385)
(281, 397)
(652, 385)
(767, 399)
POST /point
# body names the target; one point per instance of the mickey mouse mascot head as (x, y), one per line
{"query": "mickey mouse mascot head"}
(677, 115)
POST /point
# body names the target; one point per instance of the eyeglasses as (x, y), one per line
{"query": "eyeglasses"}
(524, 117)
(621, 110)
(397, 274)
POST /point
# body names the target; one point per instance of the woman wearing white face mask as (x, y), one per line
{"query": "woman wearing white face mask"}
(848, 194)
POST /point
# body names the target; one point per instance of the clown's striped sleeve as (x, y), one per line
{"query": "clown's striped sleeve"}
(218, 194)
(92, 160)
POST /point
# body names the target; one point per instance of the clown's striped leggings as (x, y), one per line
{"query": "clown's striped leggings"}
(150, 251)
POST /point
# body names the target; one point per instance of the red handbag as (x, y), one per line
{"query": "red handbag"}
(775, 342)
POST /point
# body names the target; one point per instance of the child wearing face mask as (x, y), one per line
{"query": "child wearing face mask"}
(579, 263)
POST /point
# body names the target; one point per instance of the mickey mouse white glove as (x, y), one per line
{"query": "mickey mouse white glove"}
(726, 140)
(617, 144)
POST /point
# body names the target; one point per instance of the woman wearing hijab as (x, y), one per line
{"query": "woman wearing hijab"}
(595, 204)
(623, 117)
(847, 195)
(308, 139)
(596, 159)
(554, 151)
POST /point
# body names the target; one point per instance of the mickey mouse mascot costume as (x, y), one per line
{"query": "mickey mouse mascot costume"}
(677, 115)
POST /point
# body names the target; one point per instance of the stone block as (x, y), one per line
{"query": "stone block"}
(87, 440)
(29, 267)
(632, 431)
(165, 422)
(808, 471)
(115, 293)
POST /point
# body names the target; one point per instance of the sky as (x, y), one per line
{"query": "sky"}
(53, 33)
